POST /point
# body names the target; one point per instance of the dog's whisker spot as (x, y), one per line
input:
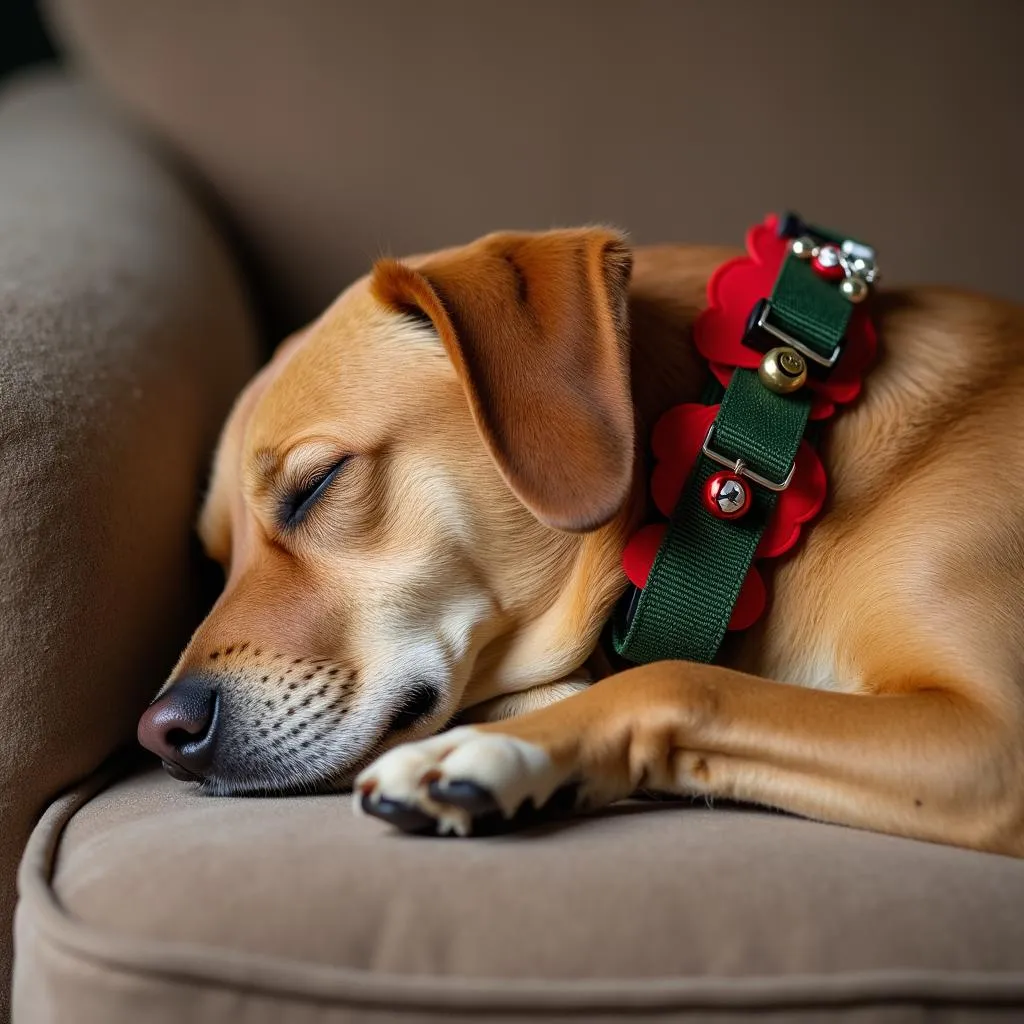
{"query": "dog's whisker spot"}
(229, 650)
(214, 655)
(264, 732)
(244, 647)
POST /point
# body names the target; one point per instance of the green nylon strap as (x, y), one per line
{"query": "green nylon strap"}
(696, 578)
(701, 565)
(812, 310)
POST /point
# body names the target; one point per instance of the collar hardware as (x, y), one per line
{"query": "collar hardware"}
(758, 323)
(694, 573)
(740, 468)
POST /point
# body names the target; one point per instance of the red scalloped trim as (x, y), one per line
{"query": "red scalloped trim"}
(732, 291)
(676, 439)
(676, 442)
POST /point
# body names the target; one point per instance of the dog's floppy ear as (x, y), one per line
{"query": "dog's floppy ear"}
(536, 326)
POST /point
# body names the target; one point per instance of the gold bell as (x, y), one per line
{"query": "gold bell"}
(854, 288)
(783, 370)
(804, 247)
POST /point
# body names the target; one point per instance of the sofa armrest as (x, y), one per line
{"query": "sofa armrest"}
(124, 335)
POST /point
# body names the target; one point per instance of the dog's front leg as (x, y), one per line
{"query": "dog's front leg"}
(926, 763)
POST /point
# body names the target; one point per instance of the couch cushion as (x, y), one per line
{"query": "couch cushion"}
(124, 336)
(335, 131)
(670, 907)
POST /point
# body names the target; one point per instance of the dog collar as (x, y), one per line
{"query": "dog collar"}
(734, 478)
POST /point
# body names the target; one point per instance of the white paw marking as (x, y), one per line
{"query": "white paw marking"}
(511, 769)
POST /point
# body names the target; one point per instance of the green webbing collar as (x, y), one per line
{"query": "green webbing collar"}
(685, 607)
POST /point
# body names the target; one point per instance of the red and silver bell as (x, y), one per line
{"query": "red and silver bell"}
(726, 495)
(828, 263)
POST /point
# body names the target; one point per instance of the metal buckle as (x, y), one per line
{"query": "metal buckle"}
(739, 467)
(763, 308)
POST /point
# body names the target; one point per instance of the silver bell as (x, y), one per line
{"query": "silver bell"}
(859, 259)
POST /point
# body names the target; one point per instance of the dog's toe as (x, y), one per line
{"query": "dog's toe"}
(463, 781)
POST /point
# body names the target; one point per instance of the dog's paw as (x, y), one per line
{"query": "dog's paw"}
(457, 782)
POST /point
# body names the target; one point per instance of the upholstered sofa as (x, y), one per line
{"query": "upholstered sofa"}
(202, 177)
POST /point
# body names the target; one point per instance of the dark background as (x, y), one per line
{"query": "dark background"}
(23, 40)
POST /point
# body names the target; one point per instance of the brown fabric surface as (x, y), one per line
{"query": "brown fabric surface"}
(294, 909)
(123, 336)
(334, 131)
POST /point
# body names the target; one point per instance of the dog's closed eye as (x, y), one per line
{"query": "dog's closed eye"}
(298, 502)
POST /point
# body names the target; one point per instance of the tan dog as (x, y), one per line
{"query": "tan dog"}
(421, 505)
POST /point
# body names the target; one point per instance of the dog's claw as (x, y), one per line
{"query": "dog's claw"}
(402, 816)
(467, 795)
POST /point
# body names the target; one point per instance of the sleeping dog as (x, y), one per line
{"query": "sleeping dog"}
(421, 505)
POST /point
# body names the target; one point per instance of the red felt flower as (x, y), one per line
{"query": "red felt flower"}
(732, 291)
(676, 442)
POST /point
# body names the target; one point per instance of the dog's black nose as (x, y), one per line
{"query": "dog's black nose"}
(181, 728)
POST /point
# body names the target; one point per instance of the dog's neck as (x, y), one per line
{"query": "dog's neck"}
(665, 367)
(667, 294)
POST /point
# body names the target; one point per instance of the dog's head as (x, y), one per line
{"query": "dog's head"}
(418, 505)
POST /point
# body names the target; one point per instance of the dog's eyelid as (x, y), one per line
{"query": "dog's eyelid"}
(301, 498)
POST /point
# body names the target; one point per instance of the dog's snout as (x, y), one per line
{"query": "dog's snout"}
(181, 727)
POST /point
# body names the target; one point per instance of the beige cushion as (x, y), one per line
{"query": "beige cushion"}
(337, 130)
(164, 905)
(123, 336)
